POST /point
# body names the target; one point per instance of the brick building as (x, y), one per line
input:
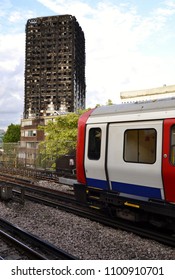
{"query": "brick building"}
(31, 136)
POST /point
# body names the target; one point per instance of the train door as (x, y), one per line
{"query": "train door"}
(95, 156)
(134, 159)
(168, 159)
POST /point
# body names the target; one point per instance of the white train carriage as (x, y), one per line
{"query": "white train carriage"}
(128, 151)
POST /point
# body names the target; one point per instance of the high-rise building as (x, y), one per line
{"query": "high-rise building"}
(54, 66)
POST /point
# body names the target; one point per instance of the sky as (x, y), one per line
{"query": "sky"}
(130, 45)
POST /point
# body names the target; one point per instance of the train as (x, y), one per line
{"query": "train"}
(125, 161)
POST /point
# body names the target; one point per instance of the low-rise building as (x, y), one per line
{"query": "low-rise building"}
(148, 94)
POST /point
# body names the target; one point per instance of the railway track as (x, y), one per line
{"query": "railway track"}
(37, 174)
(12, 248)
(143, 230)
(66, 202)
(22, 187)
(16, 243)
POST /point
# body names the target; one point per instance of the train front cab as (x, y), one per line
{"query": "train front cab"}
(131, 164)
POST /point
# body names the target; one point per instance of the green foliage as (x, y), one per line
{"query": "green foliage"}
(109, 102)
(10, 153)
(61, 137)
(12, 134)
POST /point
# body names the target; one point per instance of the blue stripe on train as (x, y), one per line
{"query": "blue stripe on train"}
(101, 184)
(137, 190)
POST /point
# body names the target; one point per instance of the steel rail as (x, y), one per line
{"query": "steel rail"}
(29, 186)
(48, 250)
(143, 230)
(33, 254)
(21, 189)
(36, 174)
(161, 237)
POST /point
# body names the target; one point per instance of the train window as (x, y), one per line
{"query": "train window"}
(173, 145)
(94, 145)
(140, 145)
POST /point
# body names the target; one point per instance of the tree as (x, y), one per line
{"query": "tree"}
(12, 134)
(60, 137)
(109, 102)
(10, 144)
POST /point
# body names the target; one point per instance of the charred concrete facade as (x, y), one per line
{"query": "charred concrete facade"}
(54, 66)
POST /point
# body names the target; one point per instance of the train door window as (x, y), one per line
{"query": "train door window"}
(94, 145)
(140, 145)
(172, 155)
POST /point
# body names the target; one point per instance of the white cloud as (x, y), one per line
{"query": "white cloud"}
(80, 8)
(12, 60)
(124, 48)
(12, 48)
(115, 38)
(19, 15)
(15, 16)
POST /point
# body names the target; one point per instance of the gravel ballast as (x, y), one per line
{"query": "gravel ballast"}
(81, 237)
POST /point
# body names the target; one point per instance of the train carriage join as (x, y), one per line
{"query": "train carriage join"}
(126, 159)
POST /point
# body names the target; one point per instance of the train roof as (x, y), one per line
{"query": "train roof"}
(147, 110)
